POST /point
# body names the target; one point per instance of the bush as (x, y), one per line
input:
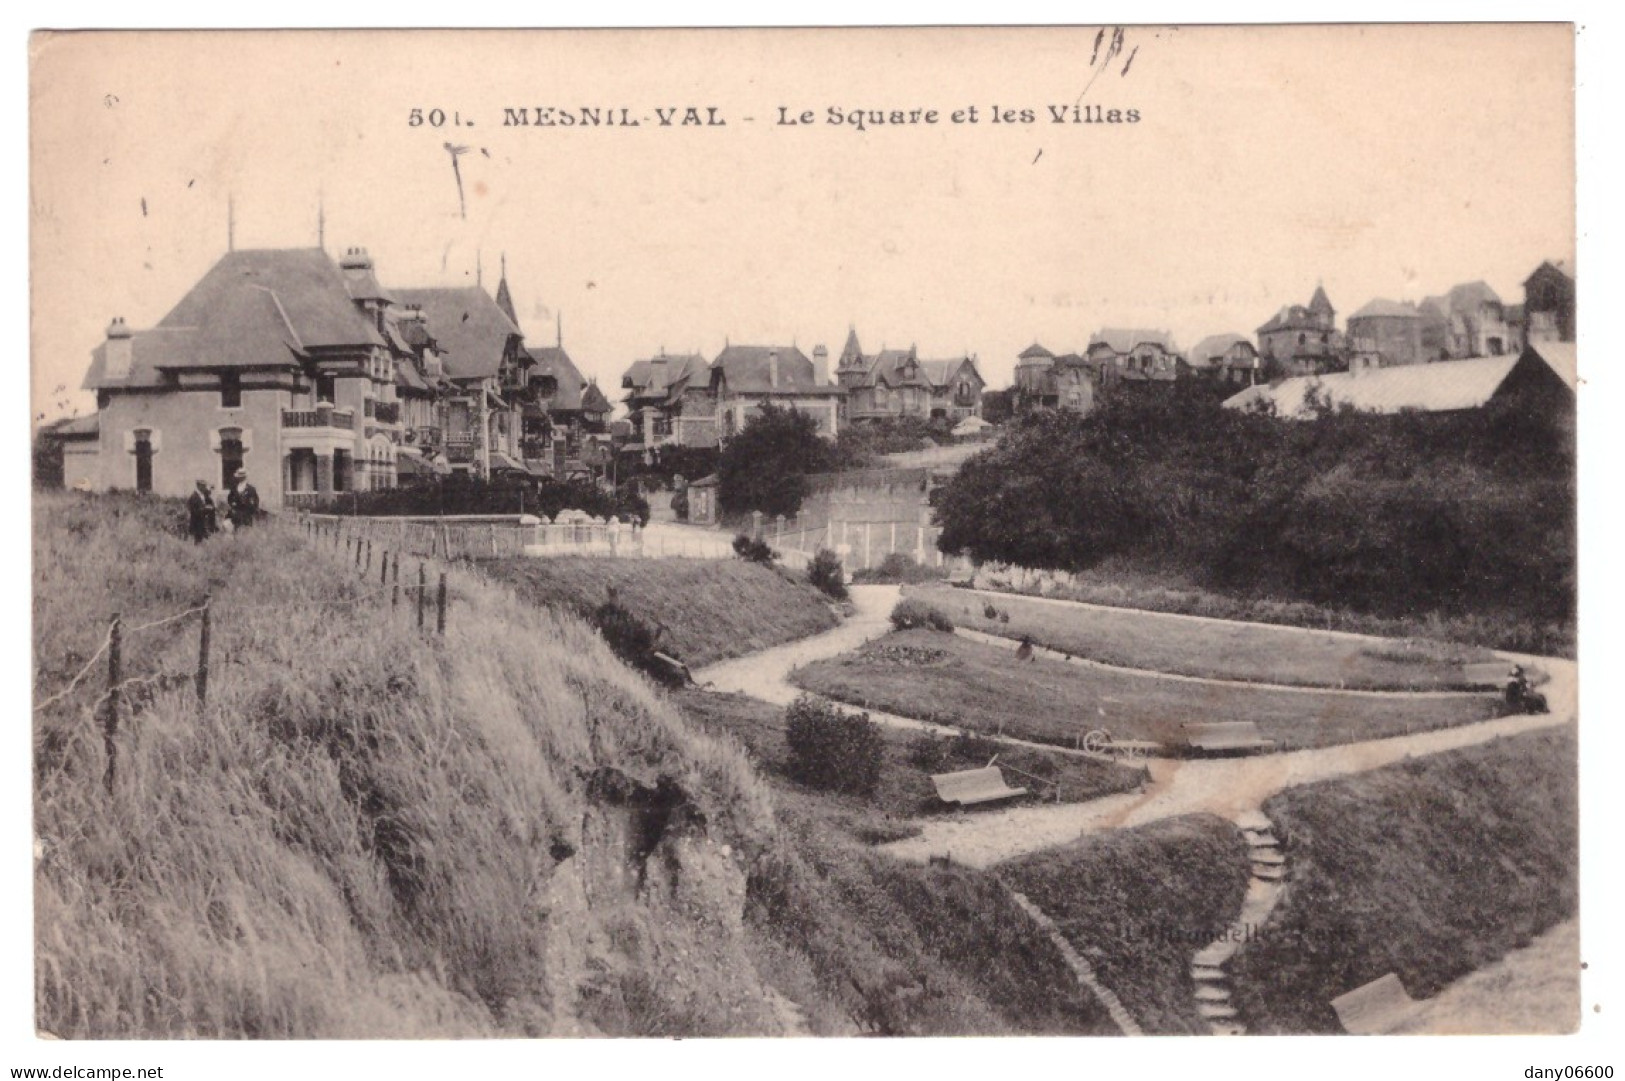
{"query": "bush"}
(910, 613)
(826, 573)
(900, 568)
(756, 551)
(833, 749)
(632, 640)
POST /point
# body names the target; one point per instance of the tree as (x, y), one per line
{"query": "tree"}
(765, 466)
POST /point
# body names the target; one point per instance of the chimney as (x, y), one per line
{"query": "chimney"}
(773, 368)
(820, 365)
(657, 372)
(120, 350)
(356, 259)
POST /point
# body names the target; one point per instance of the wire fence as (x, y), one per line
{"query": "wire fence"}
(356, 552)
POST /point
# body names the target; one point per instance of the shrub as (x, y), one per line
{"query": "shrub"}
(902, 569)
(989, 611)
(833, 749)
(756, 551)
(826, 573)
(910, 613)
(632, 640)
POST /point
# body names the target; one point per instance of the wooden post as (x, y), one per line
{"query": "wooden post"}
(494, 537)
(203, 655)
(383, 567)
(115, 674)
(395, 582)
(368, 568)
(440, 606)
(423, 587)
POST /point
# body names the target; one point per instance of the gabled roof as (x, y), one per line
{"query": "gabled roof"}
(74, 427)
(1124, 339)
(1561, 357)
(1035, 352)
(1381, 307)
(305, 283)
(594, 401)
(681, 371)
(1320, 303)
(1470, 296)
(552, 360)
(472, 332)
(1207, 351)
(746, 370)
(942, 372)
(1552, 266)
(1435, 388)
(359, 278)
(1293, 317)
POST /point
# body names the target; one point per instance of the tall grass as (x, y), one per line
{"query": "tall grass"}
(367, 832)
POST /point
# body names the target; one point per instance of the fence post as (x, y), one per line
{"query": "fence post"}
(395, 583)
(440, 607)
(115, 665)
(383, 567)
(368, 568)
(203, 655)
(423, 587)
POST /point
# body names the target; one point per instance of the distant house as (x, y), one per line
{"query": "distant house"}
(1468, 321)
(1226, 358)
(1548, 303)
(898, 383)
(746, 377)
(1133, 355)
(669, 400)
(1391, 329)
(1540, 381)
(1303, 339)
(76, 438)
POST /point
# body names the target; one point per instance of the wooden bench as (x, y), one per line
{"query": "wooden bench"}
(1374, 1009)
(969, 786)
(1223, 736)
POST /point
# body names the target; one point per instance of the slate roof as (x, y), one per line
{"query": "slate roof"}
(471, 330)
(1293, 317)
(1386, 309)
(593, 400)
(1470, 296)
(1123, 339)
(1562, 358)
(257, 308)
(74, 427)
(745, 368)
(680, 372)
(554, 361)
(1207, 351)
(1320, 302)
(1435, 388)
(1035, 352)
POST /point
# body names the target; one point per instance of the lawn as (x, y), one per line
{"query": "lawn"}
(710, 609)
(955, 681)
(905, 784)
(1430, 868)
(1138, 903)
(1241, 651)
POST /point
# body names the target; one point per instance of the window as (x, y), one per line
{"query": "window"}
(324, 389)
(231, 455)
(143, 460)
(231, 390)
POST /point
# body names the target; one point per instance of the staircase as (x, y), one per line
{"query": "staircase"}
(1269, 872)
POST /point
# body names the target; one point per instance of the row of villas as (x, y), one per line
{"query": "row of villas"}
(683, 400)
(1303, 340)
(316, 379)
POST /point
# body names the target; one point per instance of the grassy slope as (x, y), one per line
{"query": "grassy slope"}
(1430, 869)
(1138, 903)
(905, 785)
(984, 687)
(866, 943)
(712, 609)
(1153, 585)
(363, 832)
(1240, 651)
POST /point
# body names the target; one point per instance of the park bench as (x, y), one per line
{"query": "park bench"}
(1101, 742)
(1225, 736)
(968, 786)
(1375, 1008)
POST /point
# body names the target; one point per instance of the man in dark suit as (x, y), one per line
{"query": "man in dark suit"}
(243, 501)
(200, 513)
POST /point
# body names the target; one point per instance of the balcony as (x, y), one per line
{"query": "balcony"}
(425, 436)
(387, 412)
(323, 416)
(461, 447)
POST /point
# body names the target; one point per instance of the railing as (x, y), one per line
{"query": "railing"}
(425, 436)
(323, 416)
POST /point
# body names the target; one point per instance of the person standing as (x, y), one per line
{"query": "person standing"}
(200, 513)
(243, 501)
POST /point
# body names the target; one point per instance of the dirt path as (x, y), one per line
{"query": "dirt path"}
(1225, 787)
(764, 675)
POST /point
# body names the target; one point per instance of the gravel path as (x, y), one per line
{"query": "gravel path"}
(764, 675)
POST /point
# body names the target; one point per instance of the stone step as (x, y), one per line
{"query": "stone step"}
(1216, 954)
(1213, 994)
(1269, 856)
(1262, 839)
(1269, 874)
(1213, 1011)
(1228, 1028)
(1207, 973)
(1253, 820)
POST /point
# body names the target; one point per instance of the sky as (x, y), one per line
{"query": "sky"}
(1378, 161)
